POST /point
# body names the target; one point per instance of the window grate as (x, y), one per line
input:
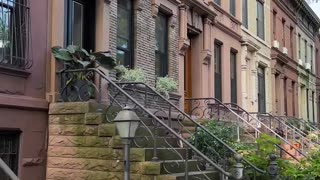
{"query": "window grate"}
(15, 34)
(9, 151)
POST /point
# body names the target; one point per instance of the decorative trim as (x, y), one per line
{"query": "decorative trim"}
(206, 56)
(107, 1)
(183, 46)
(14, 72)
(139, 5)
(27, 162)
(227, 30)
(173, 21)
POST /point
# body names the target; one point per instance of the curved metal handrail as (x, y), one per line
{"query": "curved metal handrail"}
(194, 122)
(152, 115)
(238, 116)
(309, 124)
(300, 133)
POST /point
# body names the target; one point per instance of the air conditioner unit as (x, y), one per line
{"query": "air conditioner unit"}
(308, 66)
(276, 44)
(300, 62)
(285, 50)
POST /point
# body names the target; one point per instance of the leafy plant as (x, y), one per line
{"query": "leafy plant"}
(165, 85)
(76, 57)
(130, 75)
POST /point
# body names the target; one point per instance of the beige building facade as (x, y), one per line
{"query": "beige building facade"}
(256, 86)
(308, 25)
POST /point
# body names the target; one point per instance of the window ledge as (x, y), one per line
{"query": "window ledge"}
(14, 71)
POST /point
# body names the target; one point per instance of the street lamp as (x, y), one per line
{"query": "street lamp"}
(127, 123)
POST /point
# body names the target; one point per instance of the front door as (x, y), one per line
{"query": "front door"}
(261, 90)
(187, 79)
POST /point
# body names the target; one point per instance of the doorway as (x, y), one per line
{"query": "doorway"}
(261, 90)
(187, 79)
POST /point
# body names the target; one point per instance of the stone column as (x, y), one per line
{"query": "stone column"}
(244, 69)
(274, 91)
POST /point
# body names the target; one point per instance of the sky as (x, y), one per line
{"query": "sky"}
(316, 7)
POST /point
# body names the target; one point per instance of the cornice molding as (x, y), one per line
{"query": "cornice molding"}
(227, 30)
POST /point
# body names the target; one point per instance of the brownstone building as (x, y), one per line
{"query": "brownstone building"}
(284, 57)
(24, 50)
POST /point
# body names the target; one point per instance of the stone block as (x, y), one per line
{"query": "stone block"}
(116, 142)
(136, 154)
(150, 168)
(67, 119)
(74, 107)
(73, 130)
(94, 118)
(107, 130)
(79, 141)
(67, 174)
(92, 164)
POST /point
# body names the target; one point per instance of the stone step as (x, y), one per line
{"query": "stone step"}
(197, 175)
(179, 166)
(75, 108)
(148, 142)
(167, 154)
(145, 131)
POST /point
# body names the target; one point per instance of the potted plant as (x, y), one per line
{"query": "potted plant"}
(78, 85)
(166, 85)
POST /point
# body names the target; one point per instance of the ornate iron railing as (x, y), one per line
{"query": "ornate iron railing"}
(286, 131)
(214, 109)
(95, 84)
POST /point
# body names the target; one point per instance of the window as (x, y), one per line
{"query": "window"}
(293, 98)
(124, 33)
(299, 45)
(245, 13)
(291, 41)
(15, 34)
(233, 76)
(81, 15)
(311, 58)
(307, 99)
(217, 2)
(261, 90)
(9, 151)
(217, 65)
(313, 109)
(306, 51)
(283, 32)
(260, 19)
(161, 45)
(233, 7)
(274, 25)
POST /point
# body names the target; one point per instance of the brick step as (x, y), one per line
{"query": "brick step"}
(198, 175)
(179, 166)
(167, 154)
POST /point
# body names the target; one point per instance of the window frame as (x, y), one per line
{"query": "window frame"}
(130, 50)
(260, 32)
(164, 65)
(218, 2)
(232, 7)
(299, 45)
(15, 135)
(245, 13)
(233, 76)
(218, 45)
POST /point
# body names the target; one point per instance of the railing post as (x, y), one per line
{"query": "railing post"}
(238, 168)
(186, 164)
(273, 167)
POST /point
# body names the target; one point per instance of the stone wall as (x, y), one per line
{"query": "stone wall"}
(82, 146)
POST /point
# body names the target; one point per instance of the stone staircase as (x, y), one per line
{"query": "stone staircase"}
(82, 145)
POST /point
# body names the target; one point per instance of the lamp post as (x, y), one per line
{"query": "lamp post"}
(127, 123)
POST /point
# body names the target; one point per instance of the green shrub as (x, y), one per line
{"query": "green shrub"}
(165, 85)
